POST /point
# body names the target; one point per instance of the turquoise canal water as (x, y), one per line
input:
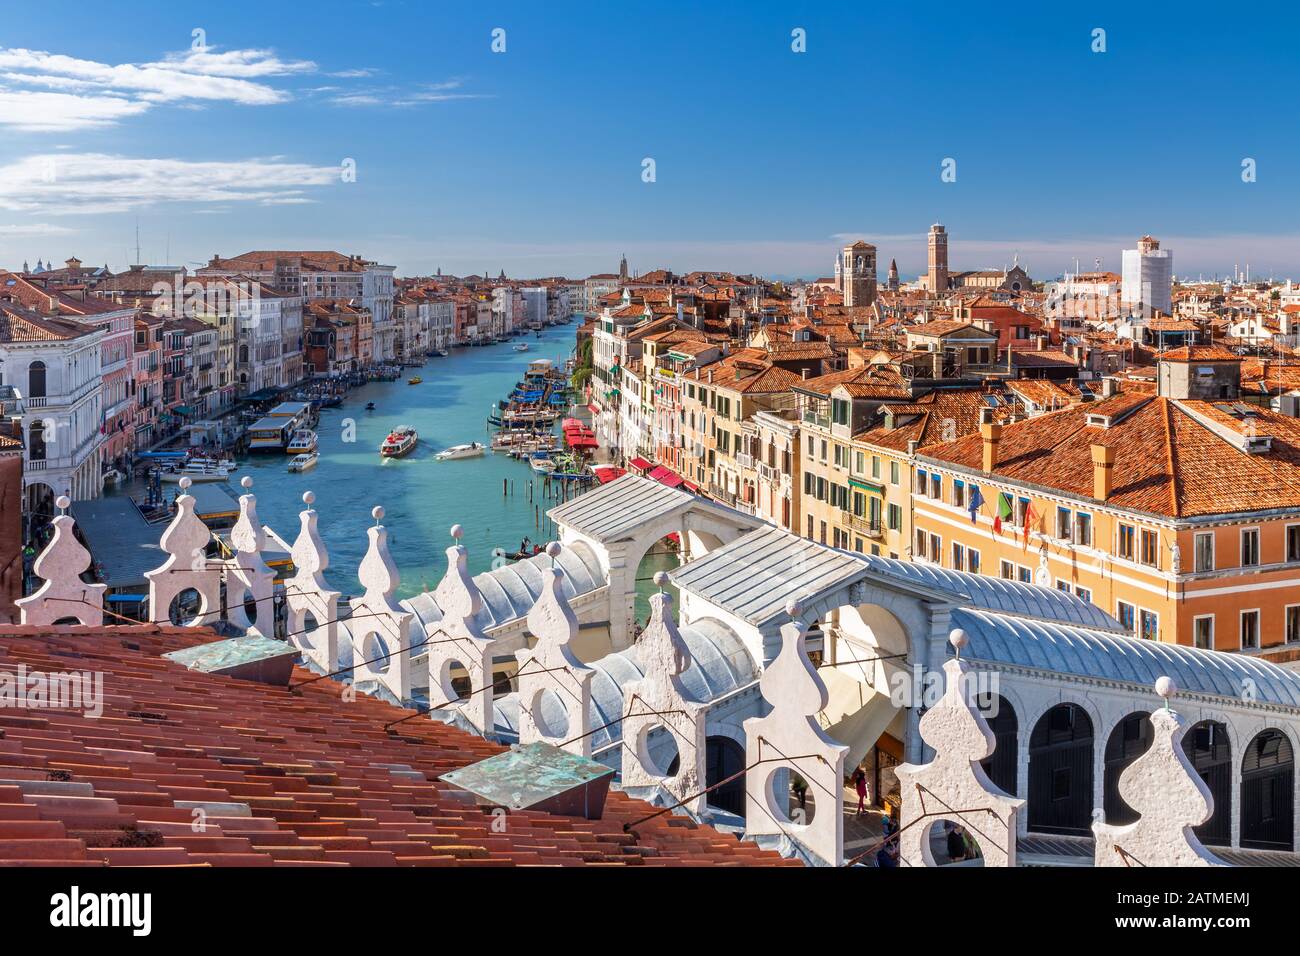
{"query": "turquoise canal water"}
(422, 497)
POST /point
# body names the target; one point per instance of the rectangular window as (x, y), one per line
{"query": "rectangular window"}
(1149, 541)
(1293, 623)
(959, 493)
(1149, 622)
(1026, 576)
(895, 518)
(1125, 546)
(1083, 594)
(1249, 629)
(875, 466)
(1203, 632)
(1022, 512)
(1063, 524)
(920, 543)
(1293, 542)
(936, 487)
(1126, 614)
(1249, 547)
(958, 556)
(1083, 529)
(1204, 551)
(972, 561)
(936, 549)
(1007, 571)
(1063, 585)
(893, 472)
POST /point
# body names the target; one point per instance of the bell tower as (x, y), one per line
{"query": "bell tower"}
(937, 275)
(858, 273)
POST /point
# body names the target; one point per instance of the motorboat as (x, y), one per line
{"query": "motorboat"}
(196, 472)
(370, 406)
(304, 462)
(400, 441)
(472, 450)
(521, 347)
(303, 442)
(414, 381)
(443, 353)
(543, 466)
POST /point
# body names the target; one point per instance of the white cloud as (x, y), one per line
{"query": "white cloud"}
(24, 229)
(239, 63)
(62, 184)
(53, 112)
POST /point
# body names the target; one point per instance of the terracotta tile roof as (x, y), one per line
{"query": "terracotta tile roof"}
(21, 325)
(938, 416)
(944, 327)
(1173, 458)
(1199, 353)
(747, 371)
(863, 381)
(321, 781)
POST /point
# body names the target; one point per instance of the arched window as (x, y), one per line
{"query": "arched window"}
(36, 380)
(1060, 772)
(1207, 747)
(1130, 739)
(36, 441)
(1001, 765)
(1267, 792)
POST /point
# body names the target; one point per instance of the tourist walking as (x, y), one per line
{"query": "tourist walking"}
(860, 786)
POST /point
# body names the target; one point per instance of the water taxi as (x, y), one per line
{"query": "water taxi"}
(472, 450)
(400, 441)
(197, 471)
(303, 442)
(414, 381)
(304, 462)
(521, 347)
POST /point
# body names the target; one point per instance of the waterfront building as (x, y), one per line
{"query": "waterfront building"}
(148, 387)
(55, 367)
(12, 512)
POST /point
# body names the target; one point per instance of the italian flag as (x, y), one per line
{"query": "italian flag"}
(1004, 511)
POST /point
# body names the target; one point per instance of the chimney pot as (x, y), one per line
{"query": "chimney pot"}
(991, 432)
(1103, 461)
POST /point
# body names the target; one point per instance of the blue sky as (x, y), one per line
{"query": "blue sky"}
(765, 159)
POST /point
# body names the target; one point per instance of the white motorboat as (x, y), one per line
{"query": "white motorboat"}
(543, 466)
(303, 442)
(521, 347)
(472, 450)
(304, 462)
(400, 441)
(196, 472)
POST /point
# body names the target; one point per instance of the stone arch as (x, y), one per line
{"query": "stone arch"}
(724, 757)
(1268, 791)
(1061, 771)
(1002, 766)
(1209, 746)
(37, 383)
(1129, 738)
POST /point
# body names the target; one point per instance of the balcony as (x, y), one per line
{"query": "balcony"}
(745, 460)
(871, 528)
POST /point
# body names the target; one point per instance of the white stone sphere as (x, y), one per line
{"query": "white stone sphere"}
(377, 512)
(1166, 687)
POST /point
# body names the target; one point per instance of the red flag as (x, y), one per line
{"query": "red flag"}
(1030, 517)
(997, 524)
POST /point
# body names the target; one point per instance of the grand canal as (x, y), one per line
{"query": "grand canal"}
(422, 497)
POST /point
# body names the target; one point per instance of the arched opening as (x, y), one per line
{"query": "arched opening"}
(374, 654)
(454, 682)
(36, 380)
(658, 752)
(550, 714)
(67, 621)
(1000, 766)
(664, 555)
(1060, 772)
(36, 441)
(1130, 739)
(953, 844)
(250, 607)
(1207, 747)
(186, 608)
(790, 797)
(304, 627)
(1267, 792)
(724, 758)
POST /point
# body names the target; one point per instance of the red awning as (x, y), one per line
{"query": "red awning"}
(594, 409)
(666, 476)
(608, 473)
(658, 473)
(582, 441)
(690, 486)
(641, 465)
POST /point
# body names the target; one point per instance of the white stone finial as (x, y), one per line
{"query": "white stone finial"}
(659, 700)
(377, 512)
(661, 580)
(63, 594)
(958, 639)
(960, 736)
(381, 628)
(790, 740)
(457, 532)
(309, 498)
(185, 482)
(63, 502)
(794, 608)
(247, 572)
(458, 638)
(1168, 795)
(551, 665)
(246, 482)
(554, 549)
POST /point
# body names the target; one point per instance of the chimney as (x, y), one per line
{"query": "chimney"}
(912, 445)
(803, 373)
(1109, 386)
(710, 376)
(991, 432)
(1103, 461)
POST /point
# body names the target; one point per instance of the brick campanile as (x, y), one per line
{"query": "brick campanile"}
(858, 273)
(937, 276)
